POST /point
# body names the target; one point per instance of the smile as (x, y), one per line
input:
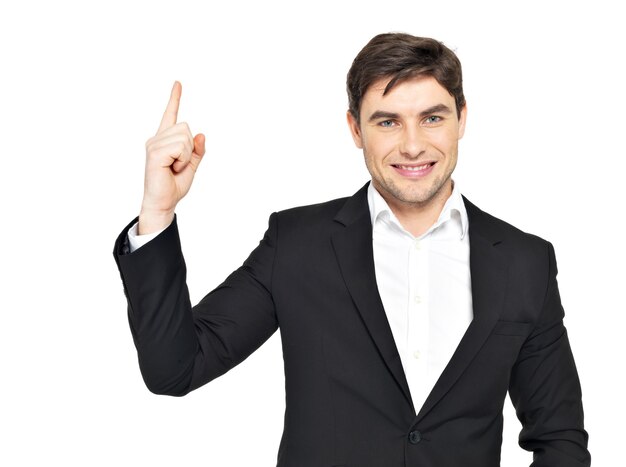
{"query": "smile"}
(414, 171)
(414, 168)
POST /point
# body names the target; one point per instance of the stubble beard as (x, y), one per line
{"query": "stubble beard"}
(411, 197)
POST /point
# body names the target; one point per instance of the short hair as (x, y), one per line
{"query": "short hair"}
(400, 57)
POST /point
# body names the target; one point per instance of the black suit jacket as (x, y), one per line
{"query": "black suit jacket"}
(347, 398)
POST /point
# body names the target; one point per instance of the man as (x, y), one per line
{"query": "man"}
(406, 312)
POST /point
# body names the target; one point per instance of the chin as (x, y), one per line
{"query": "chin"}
(409, 197)
(418, 197)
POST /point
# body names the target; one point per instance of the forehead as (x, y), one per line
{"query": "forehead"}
(420, 91)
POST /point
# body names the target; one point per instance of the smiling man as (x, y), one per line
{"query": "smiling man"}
(410, 142)
(406, 313)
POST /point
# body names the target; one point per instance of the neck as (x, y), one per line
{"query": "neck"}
(418, 217)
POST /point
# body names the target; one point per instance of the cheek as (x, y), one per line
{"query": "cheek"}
(378, 147)
(446, 143)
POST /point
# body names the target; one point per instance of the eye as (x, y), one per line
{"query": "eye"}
(386, 123)
(433, 119)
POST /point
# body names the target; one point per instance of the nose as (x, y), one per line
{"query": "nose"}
(412, 142)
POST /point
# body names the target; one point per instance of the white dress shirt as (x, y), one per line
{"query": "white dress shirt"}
(425, 286)
(136, 241)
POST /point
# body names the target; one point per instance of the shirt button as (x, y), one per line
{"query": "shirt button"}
(415, 437)
(416, 244)
(417, 355)
(417, 299)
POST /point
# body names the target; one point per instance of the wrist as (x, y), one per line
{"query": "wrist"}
(152, 221)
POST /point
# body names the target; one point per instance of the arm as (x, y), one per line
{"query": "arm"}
(179, 347)
(545, 389)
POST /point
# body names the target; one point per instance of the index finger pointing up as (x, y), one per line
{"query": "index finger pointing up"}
(171, 111)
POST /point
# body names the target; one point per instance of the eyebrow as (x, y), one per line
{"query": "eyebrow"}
(436, 109)
(380, 114)
(439, 108)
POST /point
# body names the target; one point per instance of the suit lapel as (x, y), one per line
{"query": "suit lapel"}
(353, 249)
(488, 267)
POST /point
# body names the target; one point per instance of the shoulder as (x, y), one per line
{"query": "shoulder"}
(313, 212)
(326, 216)
(310, 219)
(513, 239)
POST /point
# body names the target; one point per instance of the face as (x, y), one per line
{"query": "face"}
(410, 140)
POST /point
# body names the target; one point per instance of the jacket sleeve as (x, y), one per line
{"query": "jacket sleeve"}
(181, 347)
(545, 389)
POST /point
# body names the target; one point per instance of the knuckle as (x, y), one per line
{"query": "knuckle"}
(187, 130)
(189, 144)
(181, 147)
(152, 147)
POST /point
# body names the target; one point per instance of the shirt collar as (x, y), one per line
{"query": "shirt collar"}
(453, 209)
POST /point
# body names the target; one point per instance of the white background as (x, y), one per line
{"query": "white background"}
(83, 86)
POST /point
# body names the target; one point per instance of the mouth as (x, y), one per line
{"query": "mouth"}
(414, 170)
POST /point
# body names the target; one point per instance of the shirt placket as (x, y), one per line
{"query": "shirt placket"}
(418, 318)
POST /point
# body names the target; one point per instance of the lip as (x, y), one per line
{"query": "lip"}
(414, 170)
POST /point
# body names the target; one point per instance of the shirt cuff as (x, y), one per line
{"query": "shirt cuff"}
(136, 241)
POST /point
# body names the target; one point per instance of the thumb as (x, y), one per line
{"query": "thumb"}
(198, 150)
(198, 144)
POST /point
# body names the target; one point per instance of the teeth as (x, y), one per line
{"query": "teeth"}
(413, 168)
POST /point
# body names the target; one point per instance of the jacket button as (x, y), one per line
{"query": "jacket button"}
(415, 437)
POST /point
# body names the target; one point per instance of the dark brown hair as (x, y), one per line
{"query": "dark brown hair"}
(398, 57)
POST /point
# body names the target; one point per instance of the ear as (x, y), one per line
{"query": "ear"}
(355, 130)
(462, 120)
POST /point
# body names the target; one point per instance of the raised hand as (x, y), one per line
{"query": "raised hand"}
(172, 158)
